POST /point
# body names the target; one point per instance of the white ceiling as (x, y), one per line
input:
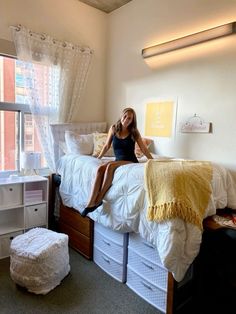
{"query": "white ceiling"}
(106, 5)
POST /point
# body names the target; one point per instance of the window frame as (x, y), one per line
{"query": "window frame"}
(21, 109)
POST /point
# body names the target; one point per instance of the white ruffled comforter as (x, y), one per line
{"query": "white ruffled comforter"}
(124, 207)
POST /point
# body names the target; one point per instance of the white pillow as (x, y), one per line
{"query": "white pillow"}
(81, 144)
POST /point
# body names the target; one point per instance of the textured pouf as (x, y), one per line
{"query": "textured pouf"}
(39, 259)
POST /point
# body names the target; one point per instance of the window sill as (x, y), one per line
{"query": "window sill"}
(45, 172)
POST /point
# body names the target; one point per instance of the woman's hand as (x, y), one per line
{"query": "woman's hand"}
(144, 148)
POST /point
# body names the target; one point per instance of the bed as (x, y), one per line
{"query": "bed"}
(125, 204)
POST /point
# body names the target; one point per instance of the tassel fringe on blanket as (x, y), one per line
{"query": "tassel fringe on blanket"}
(178, 189)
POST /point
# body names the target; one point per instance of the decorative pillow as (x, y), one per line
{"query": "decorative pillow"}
(99, 139)
(81, 144)
(138, 152)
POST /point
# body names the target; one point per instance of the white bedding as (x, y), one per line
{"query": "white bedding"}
(124, 207)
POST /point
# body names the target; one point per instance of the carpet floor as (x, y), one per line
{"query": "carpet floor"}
(86, 290)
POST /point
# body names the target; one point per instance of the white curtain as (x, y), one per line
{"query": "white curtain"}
(55, 75)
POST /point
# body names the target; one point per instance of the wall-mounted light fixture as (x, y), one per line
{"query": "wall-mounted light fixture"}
(190, 40)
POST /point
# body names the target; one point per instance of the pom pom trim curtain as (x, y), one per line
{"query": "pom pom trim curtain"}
(55, 74)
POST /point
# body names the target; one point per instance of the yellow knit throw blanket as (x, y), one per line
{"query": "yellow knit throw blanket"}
(178, 189)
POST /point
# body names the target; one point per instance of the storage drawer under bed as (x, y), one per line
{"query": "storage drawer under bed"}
(109, 265)
(155, 274)
(144, 248)
(149, 292)
(114, 250)
(110, 251)
(115, 236)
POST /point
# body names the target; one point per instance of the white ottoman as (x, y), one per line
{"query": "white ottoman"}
(39, 259)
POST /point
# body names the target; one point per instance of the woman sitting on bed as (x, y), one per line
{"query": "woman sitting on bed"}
(122, 136)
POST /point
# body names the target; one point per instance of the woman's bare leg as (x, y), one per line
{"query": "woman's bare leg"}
(102, 183)
(97, 184)
(108, 177)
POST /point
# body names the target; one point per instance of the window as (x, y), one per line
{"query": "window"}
(28, 121)
(17, 129)
(29, 141)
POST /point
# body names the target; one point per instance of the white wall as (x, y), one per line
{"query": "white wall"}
(202, 79)
(72, 21)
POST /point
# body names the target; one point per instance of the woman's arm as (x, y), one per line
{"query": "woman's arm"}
(107, 145)
(143, 147)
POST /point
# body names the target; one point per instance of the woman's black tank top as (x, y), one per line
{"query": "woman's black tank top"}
(124, 148)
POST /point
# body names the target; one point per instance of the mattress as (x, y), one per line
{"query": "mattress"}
(125, 204)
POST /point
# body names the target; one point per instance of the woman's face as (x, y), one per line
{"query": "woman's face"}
(127, 119)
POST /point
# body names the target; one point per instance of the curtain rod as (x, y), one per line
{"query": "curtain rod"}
(44, 36)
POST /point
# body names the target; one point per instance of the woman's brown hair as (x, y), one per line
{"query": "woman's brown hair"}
(132, 127)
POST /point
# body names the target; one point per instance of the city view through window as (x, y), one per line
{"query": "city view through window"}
(14, 109)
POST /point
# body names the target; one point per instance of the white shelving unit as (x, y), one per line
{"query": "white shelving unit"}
(23, 205)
